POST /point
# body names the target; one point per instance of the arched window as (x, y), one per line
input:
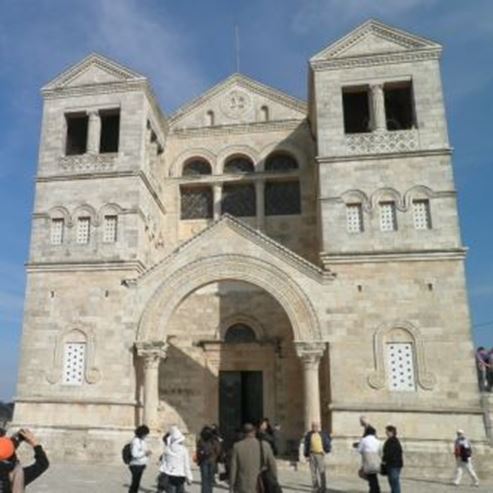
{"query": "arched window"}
(239, 164)
(240, 334)
(197, 167)
(280, 161)
(209, 118)
(264, 113)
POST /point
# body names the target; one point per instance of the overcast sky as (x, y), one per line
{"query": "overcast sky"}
(186, 46)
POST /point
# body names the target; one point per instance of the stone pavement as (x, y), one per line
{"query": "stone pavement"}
(114, 479)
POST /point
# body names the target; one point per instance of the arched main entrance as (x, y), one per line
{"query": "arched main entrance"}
(178, 284)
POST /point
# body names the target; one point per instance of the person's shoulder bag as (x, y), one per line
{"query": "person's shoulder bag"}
(266, 481)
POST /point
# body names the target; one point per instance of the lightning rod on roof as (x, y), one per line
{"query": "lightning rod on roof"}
(237, 44)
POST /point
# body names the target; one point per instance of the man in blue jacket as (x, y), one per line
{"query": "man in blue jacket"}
(317, 444)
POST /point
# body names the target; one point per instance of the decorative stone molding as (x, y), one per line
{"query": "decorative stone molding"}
(260, 239)
(109, 209)
(92, 373)
(236, 103)
(377, 377)
(151, 352)
(88, 162)
(386, 193)
(60, 212)
(357, 196)
(87, 210)
(179, 282)
(382, 142)
(310, 352)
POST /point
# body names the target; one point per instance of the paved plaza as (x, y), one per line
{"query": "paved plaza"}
(113, 479)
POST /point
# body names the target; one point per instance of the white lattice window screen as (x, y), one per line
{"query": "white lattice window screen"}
(57, 231)
(388, 217)
(354, 218)
(74, 363)
(421, 214)
(83, 230)
(400, 366)
(110, 229)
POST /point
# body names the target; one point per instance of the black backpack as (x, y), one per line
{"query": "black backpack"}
(5, 486)
(127, 453)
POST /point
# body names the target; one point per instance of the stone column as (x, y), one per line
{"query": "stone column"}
(93, 132)
(378, 108)
(310, 354)
(260, 198)
(151, 353)
(217, 198)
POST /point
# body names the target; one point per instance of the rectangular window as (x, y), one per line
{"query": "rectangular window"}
(83, 230)
(196, 202)
(110, 131)
(76, 142)
(421, 214)
(400, 366)
(399, 106)
(110, 229)
(354, 218)
(282, 198)
(356, 108)
(239, 200)
(388, 217)
(57, 231)
(74, 363)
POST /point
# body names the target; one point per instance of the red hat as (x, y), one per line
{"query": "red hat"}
(7, 448)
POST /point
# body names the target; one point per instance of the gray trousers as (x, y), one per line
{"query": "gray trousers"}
(317, 468)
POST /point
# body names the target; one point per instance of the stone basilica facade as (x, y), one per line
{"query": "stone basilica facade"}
(251, 255)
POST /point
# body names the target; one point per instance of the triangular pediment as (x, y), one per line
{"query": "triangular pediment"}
(233, 236)
(238, 99)
(94, 69)
(373, 38)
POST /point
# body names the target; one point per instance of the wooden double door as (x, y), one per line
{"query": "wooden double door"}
(240, 401)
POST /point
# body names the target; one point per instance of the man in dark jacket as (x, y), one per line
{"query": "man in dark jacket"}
(392, 459)
(317, 443)
(14, 477)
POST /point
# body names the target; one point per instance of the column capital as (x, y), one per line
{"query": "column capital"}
(93, 113)
(152, 352)
(310, 353)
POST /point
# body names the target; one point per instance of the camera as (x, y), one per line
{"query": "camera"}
(18, 438)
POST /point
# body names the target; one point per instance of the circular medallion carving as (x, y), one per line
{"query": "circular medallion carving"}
(236, 103)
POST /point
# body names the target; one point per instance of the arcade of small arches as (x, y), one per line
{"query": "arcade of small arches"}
(240, 190)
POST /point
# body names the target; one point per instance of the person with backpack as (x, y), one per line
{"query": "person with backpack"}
(316, 444)
(13, 477)
(463, 458)
(138, 457)
(175, 468)
(207, 453)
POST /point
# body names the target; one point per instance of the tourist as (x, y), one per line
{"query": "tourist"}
(246, 462)
(463, 458)
(208, 453)
(392, 459)
(489, 370)
(317, 443)
(139, 457)
(266, 434)
(14, 477)
(369, 448)
(175, 468)
(482, 365)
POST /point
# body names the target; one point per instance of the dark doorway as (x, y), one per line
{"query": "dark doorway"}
(240, 401)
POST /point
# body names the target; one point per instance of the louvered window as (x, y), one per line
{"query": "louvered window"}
(388, 218)
(354, 218)
(400, 366)
(83, 230)
(421, 214)
(74, 363)
(110, 229)
(57, 231)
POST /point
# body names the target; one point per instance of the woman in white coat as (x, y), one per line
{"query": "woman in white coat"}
(175, 468)
(369, 448)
